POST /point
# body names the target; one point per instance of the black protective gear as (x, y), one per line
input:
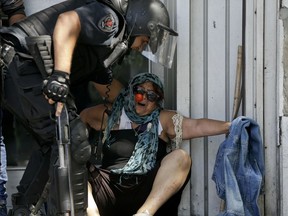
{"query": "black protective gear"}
(80, 154)
(40, 48)
(12, 7)
(22, 92)
(56, 87)
(119, 5)
(81, 148)
(146, 17)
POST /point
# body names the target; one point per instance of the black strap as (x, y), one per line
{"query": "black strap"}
(40, 48)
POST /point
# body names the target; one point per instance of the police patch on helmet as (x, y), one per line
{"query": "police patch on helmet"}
(106, 24)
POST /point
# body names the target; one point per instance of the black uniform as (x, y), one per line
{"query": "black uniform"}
(22, 91)
(12, 7)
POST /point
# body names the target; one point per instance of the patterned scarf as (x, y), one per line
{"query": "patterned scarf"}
(144, 155)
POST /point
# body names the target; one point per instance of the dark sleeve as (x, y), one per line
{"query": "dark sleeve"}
(99, 24)
(87, 64)
(102, 76)
(12, 7)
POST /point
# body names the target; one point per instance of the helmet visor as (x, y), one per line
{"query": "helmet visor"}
(166, 45)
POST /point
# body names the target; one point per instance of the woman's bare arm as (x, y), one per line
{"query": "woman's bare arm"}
(93, 116)
(193, 128)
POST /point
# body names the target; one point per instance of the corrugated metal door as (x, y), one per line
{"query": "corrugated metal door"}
(210, 33)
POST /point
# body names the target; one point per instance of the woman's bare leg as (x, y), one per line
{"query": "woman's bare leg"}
(170, 178)
(92, 209)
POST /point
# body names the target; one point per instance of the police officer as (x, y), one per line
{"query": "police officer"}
(14, 10)
(87, 37)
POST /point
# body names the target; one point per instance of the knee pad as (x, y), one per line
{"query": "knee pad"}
(80, 146)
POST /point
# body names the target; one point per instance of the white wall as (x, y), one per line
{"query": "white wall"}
(33, 6)
(270, 72)
(209, 34)
(283, 106)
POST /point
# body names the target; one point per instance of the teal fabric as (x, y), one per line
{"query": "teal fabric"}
(143, 157)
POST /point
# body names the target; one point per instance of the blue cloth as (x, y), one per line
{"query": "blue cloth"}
(3, 171)
(239, 168)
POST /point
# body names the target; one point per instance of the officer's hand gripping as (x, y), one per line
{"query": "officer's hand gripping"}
(56, 87)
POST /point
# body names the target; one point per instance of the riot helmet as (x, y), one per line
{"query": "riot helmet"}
(119, 5)
(151, 18)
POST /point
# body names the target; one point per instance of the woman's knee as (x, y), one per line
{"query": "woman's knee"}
(179, 157)
(184, 158)
(92, 209)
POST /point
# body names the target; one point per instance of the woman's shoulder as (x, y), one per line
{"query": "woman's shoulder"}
(94, 114)
(166, 120)
(166, 117)
(164, 113)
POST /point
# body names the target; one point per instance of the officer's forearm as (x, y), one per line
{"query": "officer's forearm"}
(65, 35)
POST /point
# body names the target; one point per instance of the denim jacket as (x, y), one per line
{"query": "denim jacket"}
(239, 168)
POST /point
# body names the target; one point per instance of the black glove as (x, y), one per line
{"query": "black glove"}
(56, 87)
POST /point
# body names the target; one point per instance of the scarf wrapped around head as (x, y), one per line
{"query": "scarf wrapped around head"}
(144, 155)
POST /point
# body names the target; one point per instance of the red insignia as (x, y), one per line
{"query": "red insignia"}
(109, 23)
(106, 24)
